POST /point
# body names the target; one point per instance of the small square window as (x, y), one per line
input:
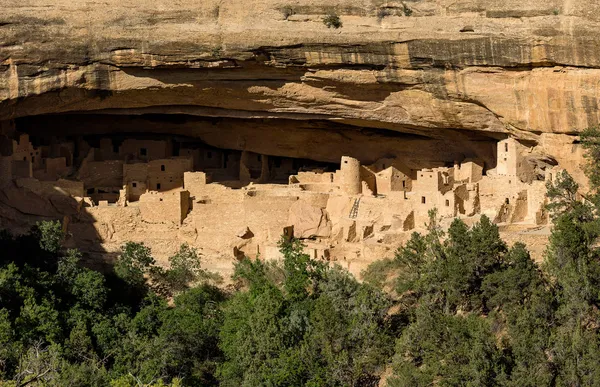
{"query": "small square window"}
(143, 151)
(134, 184)
(158, 186)
(162, 168)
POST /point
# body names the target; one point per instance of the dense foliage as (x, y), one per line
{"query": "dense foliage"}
(62, 324)
(452, 308)
(298, 322)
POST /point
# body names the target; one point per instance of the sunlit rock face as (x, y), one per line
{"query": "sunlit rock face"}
(426, 83)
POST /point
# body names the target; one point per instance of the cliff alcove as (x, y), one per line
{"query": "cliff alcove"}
(468, 107)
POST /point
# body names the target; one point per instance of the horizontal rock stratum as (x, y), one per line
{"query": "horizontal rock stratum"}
(516, 67)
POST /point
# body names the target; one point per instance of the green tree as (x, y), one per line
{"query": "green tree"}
(314, 326)
(51, 235)
(133, 263)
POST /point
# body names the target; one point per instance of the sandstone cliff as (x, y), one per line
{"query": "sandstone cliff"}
(459, 70)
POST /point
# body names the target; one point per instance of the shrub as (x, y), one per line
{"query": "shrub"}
(217, 52)
(383, 12)
(287, 11)
(332, 21)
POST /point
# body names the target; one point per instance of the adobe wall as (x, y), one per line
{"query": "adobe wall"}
(167, 174)
(312, 177)
(55, 168)
(512, 160)
(135, 172)
(135, 178)
(469, 171)
(466, 198)
(520, 208)
(217, 193)
(145, 149)
(103, 194)
(107, 151)
(218, 223)
(194, 154)
(161, 207)
(24, 151)
(368, 181)
(268, 216)
(536, 211)
(107, 173)
(427, 181)
(494, 191)
(392, 179)
(21, 168)
(195, 183)
(284, 170)
(207, 158)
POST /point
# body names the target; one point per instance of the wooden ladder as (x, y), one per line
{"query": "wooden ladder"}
(354, 210)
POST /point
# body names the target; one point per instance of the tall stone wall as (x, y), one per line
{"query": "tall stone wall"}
(350, 181)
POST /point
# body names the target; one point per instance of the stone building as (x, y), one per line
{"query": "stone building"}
(468, 171)
(135, 180)
(23, 150)
(511, 160)
(167, 174)
(145, 150)
(393, 179)
(195, 183)
(165, 207)
(107, 151)
(349, 175)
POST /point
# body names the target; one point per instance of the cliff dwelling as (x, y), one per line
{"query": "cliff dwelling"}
(233, 187)
(227, 135)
